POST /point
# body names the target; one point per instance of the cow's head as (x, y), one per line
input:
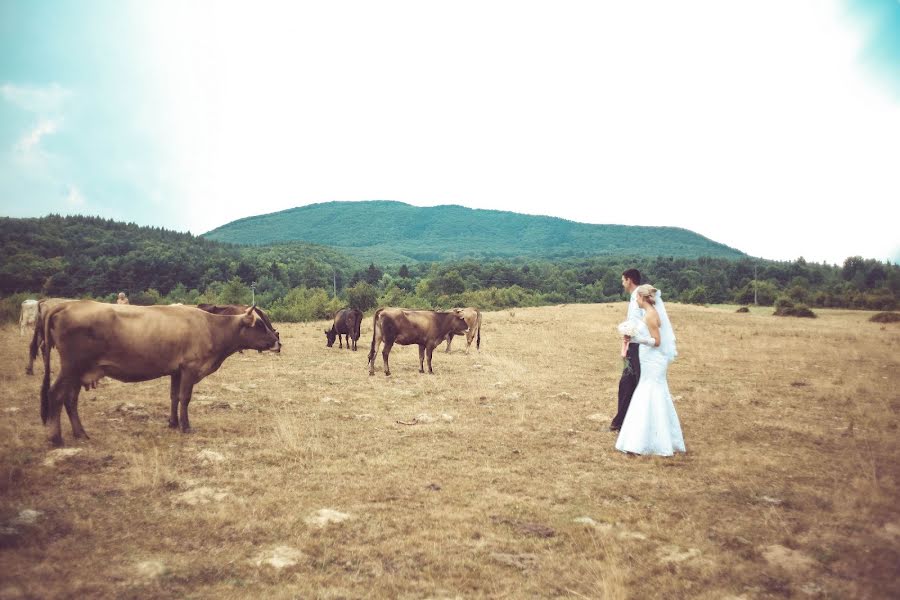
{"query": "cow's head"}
(331, 334)
(257, 331)
(458, 324)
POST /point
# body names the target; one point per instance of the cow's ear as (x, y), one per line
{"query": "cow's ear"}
(249, 317)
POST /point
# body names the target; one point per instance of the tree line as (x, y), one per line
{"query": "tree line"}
(96, 258)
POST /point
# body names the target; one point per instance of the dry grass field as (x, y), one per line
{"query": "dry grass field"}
(495, 477)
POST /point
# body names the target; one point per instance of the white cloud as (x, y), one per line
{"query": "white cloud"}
(42, 100)
(74, 197)
(28, 146)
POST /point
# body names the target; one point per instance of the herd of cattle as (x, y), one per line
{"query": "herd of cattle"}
(187, 343)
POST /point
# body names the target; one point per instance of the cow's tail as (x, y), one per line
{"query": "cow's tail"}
(47, 325)
(358, 326)
(478, 339)
(374, 334)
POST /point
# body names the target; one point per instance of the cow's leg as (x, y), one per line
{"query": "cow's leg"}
(376, 342)
(470, 335)
(184, 396)
(428, 352)
(422, 358)
(449, 340)
(62, 387)
(174, 387)
(340, 341)
(33, 349)
(385, 353)
(71, 402)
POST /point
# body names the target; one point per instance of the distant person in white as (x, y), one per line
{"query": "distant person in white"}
(651, 425)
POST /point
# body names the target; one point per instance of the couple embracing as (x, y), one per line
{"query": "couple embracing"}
(646, 421)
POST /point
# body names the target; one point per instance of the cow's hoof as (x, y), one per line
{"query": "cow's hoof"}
(187, 430)
(29, 371)
(81, 434)
(56, 441)
(173, 424)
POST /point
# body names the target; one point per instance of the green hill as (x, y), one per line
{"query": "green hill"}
(393, 232)
(76, 255)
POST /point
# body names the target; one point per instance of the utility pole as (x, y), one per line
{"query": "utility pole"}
(755, 285)
(334, 283)
(253, 292)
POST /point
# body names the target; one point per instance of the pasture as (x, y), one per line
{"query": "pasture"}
(495, 477)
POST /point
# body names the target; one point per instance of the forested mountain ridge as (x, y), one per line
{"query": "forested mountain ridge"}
(73, 256)
(393, 232)
(96, 258)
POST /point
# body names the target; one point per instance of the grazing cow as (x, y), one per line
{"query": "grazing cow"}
(426, 328)
(37, 338)
(28, 315)
(473, 319)
(346, 323)
(140, 343)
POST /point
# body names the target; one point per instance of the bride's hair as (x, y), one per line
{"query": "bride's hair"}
(648, 292)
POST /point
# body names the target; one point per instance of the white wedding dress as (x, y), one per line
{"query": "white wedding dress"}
(651, 425)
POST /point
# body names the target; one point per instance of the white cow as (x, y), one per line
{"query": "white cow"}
(472, 317)
(28, 315)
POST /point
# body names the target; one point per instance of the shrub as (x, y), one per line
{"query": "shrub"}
(697, 295)
(885, 317)
(362, 296)
(305, 304)
(148, 298)
(785, 307)
(766, 292)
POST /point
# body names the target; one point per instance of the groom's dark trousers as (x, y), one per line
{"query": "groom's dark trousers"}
(631, 374)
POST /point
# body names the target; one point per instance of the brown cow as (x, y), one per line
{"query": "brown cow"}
(346, 322)
(140, 343)
(234, 309)
(37, 338)
(237, 309)
(426, 328)
(473, 319)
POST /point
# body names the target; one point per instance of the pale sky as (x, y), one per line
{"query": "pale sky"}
(770, 126)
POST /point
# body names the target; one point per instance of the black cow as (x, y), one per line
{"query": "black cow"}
(346, 323)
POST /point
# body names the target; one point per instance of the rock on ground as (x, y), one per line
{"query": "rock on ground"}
(280, 558)
(325, 516)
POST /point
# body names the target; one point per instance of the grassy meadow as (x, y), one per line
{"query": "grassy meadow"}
(495, 477)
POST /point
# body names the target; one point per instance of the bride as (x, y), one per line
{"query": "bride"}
(651, 425)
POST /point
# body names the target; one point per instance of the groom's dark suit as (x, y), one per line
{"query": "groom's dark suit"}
(631, 374)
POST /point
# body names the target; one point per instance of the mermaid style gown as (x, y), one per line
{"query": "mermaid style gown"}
(651, 425)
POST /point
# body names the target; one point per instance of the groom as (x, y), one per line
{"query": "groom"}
(631, 279)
